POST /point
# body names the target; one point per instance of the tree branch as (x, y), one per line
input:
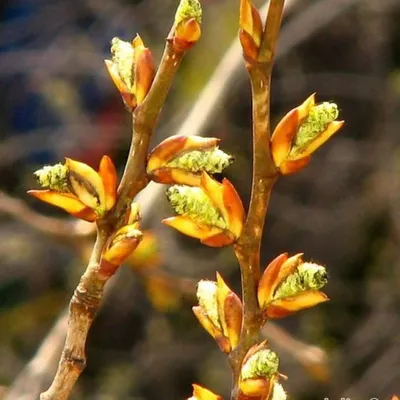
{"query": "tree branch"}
(88, 295)
(247, 249)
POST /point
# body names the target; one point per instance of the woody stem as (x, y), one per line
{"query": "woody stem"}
(247, 248)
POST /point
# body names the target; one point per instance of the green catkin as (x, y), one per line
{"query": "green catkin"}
(123, 55)
(262, 364)
(207, 297)
(194, 203)
(188, 9)
(307, 276)
(54, 177)
(318, 119)
(213, 161)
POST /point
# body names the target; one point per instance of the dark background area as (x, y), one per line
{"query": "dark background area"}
(342, 211)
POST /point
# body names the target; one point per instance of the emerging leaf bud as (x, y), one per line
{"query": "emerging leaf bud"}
(186, 30)
(123, 56)
(259, 371)
(188, 9)
(194, 203)
(220, 312)
(318, 119)
(78, 188)
(302, 131)
(251, 30)
(212, 213)
(131, 69)
(181, 159)
(124, 242)
(54, 177)
(207, 296)
(308, 276)
(262, 364)
(289, 284)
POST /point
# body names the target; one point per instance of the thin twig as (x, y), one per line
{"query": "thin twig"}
(247, 249)
(89, 293)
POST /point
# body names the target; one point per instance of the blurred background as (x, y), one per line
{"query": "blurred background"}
(342, 211)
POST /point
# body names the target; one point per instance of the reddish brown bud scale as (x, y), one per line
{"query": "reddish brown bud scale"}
(185, 35)
(65, 201)
(250, 49)
(257, 387)
(268, 280)
(144, 74)
(108, 174)
(251, 30)
(284, 307)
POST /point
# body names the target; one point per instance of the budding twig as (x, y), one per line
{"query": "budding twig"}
(88, 295)
(247, 248)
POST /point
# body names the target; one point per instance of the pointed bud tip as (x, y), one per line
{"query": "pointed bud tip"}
(188, 9)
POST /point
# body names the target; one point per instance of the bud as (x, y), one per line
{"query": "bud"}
(212, 212)
(54, 177)
(123, 242)
(251, 30)
(131, 69)
(220, 312)
(302, 131)
(201, 393)
(181, 159)
(288, 284)
(259, 371)
(186, 30)
(79, 189)
(308, 276)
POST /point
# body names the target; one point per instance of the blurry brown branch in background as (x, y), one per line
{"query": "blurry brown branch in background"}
(313, 358)
(64, 229)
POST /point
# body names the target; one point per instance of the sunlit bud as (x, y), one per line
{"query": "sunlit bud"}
(207, 296)
(302, 131)
(262, 364)
(186, 30)
(181, 159)
(201, 393)
(54, 177)
(124, 242)
(259, 371)
(220, 312)
(194, 203)
(278, 392)
(250, 30)
(131, 69)
(78, 188)
(212, 213)
(288, 284)
(308, 276)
